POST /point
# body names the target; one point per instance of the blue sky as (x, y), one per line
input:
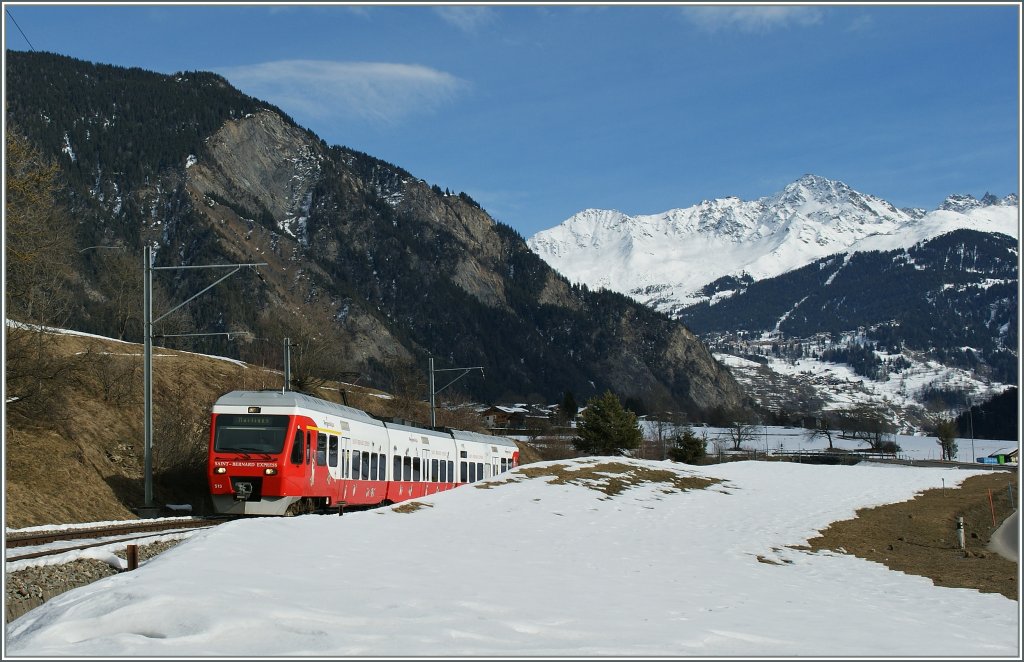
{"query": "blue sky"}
(540, 111)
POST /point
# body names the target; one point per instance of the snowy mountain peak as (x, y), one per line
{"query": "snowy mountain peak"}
(963, 203)
(814, 187)
(666, 259)
(960, 203)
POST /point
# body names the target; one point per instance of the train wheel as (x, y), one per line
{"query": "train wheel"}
(303, 506)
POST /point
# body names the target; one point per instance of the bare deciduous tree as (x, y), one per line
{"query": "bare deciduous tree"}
(823, 427)
(38, 247)
(408, 391)
(868, 423)
(741, 432)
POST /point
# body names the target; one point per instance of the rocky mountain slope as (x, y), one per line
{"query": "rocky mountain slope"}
(370, 267)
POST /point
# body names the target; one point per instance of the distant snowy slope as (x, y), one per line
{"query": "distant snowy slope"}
(665, 259)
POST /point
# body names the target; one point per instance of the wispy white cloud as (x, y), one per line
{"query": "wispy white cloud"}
(861, 23)
(468, 19)
(761, 19)
(376, 91)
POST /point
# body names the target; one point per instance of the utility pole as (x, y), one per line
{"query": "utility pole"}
(433, 422)
(149, 510)
(970, 417)
(287, 365)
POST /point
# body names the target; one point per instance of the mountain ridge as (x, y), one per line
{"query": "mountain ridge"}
(370, 267)
(665, 259)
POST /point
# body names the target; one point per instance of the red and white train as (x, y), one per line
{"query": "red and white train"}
(282, 452)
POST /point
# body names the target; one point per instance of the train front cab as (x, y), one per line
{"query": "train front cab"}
(326, 454)
(252, 466)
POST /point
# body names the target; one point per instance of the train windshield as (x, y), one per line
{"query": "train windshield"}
(249, 433)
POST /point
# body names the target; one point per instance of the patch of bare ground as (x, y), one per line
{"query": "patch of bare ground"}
(614, 477)
(411, 506)
(919, 537)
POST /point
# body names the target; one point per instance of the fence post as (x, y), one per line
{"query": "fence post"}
(132, 555)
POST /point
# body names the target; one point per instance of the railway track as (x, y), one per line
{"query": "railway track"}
(127, 532)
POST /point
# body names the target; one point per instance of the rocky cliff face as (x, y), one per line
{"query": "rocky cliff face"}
(377, 264)
(263, 164)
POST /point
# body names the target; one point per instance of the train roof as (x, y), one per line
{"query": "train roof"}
(466, 435)
(412, 428)
(293, 399)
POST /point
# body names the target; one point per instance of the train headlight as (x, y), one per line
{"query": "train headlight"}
(220, 470)
(270, 472)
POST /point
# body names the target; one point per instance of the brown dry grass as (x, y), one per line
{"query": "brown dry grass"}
(918, 537)
(411, 506)
(611, 478)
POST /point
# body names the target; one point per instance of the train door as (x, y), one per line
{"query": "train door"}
(416, 487)
(345, 467)
(423, 460)
(319, 475)
(378, 467)
(297, 460)
(334, 483)
(461, 466)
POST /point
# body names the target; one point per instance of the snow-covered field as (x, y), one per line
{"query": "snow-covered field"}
(535, 567)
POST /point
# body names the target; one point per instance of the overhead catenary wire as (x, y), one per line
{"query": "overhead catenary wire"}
(8, 11)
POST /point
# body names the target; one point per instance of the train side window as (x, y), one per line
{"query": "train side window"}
(364, 469)
(321, 449)
(416, 469)
(451, 471)
(309, 440)
(406, 468)
(296, 457)
(472, 472)
(396, 474)
(373, 466)
(355, 464)
(464, 472)
(479, 470)
(344, 463)
(433, 470)
(443, 476)
(382, 465)
(332, 452)
(504, 466)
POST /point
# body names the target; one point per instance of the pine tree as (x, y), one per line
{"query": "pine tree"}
(606, 427)
(567, 409)
(688, 447)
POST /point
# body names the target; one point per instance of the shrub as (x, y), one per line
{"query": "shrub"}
(688, 447)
